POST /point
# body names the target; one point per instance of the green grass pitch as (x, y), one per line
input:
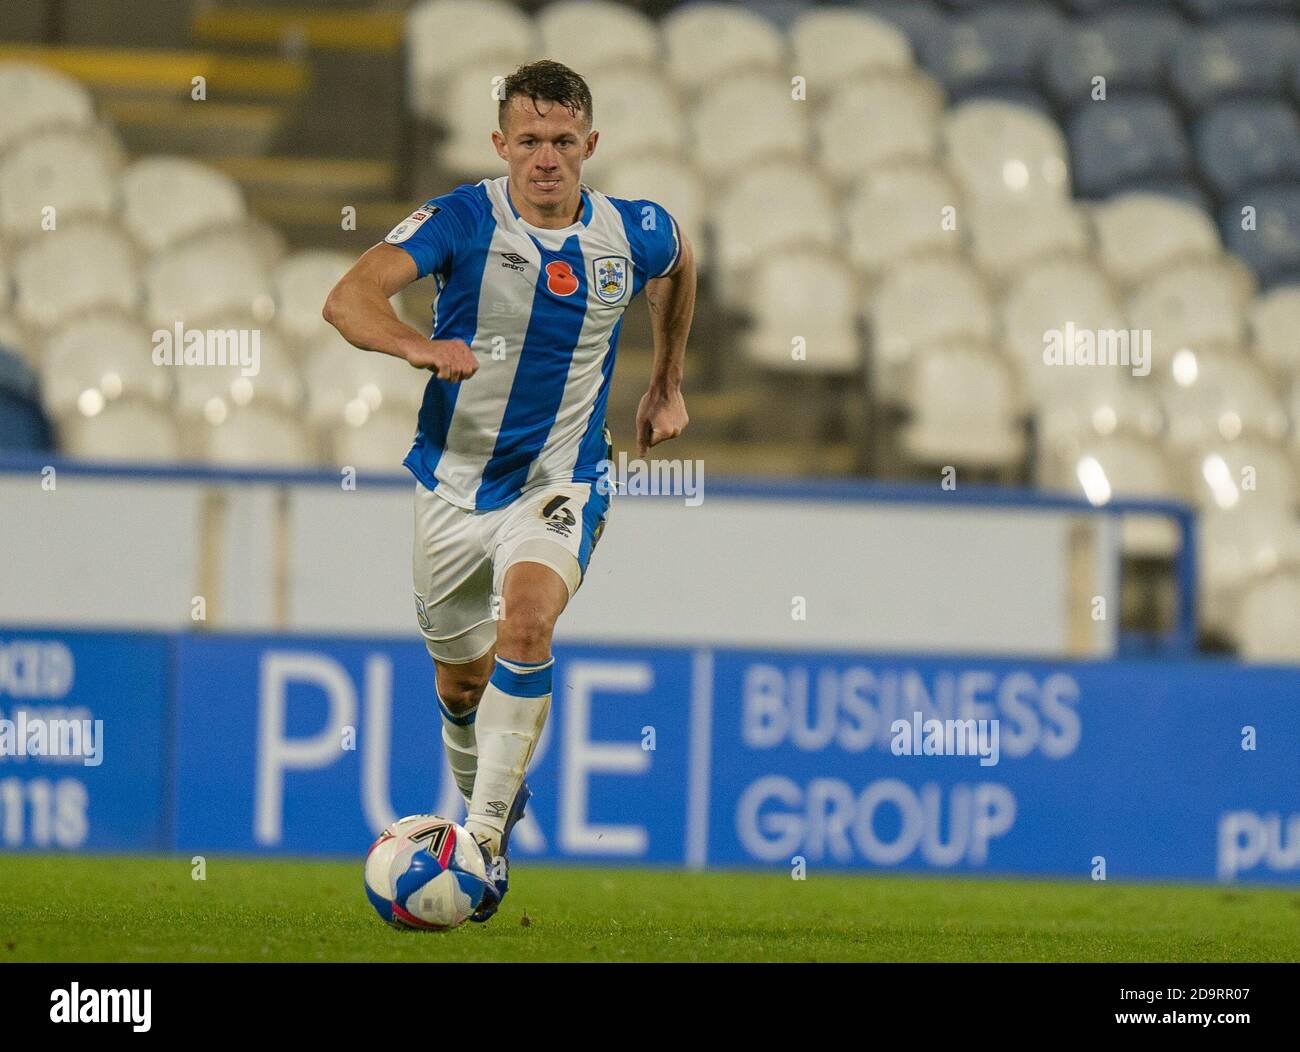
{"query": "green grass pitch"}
(77, 908)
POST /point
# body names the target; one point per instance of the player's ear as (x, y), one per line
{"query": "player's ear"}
(591, 145)
(499, 142)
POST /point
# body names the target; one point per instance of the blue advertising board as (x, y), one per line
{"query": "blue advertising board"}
(668, 756)
(84, 733)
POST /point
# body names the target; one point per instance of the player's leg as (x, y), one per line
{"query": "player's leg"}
(452, 578)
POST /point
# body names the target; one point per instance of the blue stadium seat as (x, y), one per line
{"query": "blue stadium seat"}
(1243, 142)
(999, 44)
(1094, 7)
(1240, 56)
(919, 19)
(1272, 249)
(24, 427)
(1130, 48)
(1118, 142)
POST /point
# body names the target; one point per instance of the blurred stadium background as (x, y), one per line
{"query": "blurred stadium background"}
(1118, 166)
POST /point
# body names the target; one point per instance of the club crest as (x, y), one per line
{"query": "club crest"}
(611, 278)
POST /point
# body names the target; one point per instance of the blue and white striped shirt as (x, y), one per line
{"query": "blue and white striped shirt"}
(541, 310)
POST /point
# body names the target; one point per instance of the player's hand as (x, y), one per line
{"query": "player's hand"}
(660, 416)
(450, 360)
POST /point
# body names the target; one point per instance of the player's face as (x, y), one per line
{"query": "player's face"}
(545, 151)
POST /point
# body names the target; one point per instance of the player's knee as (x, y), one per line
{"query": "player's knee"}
(525, 634)
(461, 690)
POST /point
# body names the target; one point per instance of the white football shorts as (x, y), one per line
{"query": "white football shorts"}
(460, 558)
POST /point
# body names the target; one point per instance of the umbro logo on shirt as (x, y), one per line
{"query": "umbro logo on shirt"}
(513, 261)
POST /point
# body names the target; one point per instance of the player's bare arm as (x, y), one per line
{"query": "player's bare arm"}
(661, 414)
(359, 308)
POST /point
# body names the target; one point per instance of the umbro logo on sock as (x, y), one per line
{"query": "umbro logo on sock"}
(497, 808)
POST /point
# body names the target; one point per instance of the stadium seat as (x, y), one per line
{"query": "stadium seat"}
(1235, 549)
(964, 408)
(24, 427)
(1139, 234)
(74, 173)
(373, 440)
(35, 98)
(1212, 9)
(710, 43)
(1264, 626)
(995, 149)
(897, 213)
(121, 431)
(1243, 142)
(167, 199)
(803, 295)
(1120, 465)
(833, 46)
(1197, 304)
(921, 303)
(345, 385)
(876, 122)
(1117, 142)
(74, 270)
(214, 274)
(1048, 299)
(213, 393)
(98, 359)
(998, 44)
(1212, 397)
(301, 283)
(638, 116)
(596, 35)
(674, 184)
(1127, 46)
(1274, 328)
(1007, 236)
(1221, 474)
(1116, 404)
(771, 208)
(467, 119)
(255, 436)
(444, 36)
(1239, 56)
(746, 119)
(1272, 248)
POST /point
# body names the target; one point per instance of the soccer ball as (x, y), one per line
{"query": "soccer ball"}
(425, 872)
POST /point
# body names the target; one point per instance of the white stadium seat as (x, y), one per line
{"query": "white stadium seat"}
(595, 35)
(1197, 304)
(1049, 299)
(834, 45)
(256, 436)
(1006, 237)
(710, 43)
(302, 282)
(637, 116)
(443, 36)
(800, 301)
(99, 359)
(1116, 405)
(1000, 150)
(34, 98)
(75, 173)
(1243, 478)
(122, 431)
(743, 120)
(214, 274)
(1141, 234)
(884, 120)
(374, 440)
(964, 408)
(1265, 624)
(347, 385)
(923, 303)
(215, 392)
(469, 118)
(77, 268)
(1275, 329)
(898, 213)
(168, 199)
(770, 208)
(1234, 550)
(1211, 396)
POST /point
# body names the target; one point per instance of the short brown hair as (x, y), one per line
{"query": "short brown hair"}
(546, 81)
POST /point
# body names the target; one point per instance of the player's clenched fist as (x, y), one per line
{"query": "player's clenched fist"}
(450, 360)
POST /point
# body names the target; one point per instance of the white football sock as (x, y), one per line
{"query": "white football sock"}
(459, 744)
(511, 715)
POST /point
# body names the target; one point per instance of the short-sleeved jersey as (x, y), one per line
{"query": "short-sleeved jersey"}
(541, 311)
